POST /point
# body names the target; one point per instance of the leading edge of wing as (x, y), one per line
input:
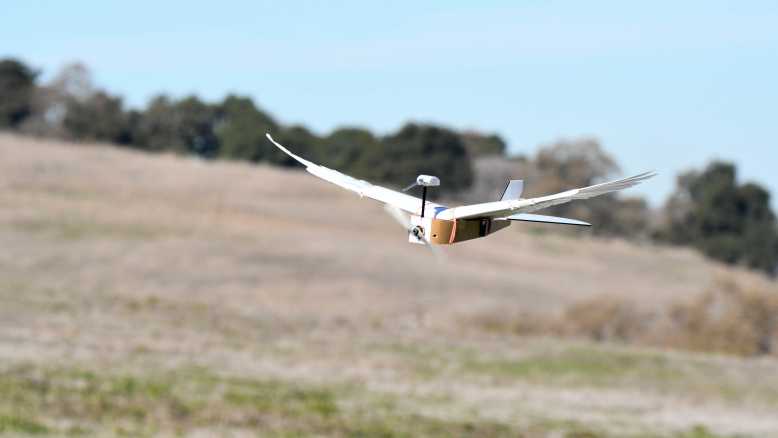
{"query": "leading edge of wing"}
(402, 201)
(333, 176)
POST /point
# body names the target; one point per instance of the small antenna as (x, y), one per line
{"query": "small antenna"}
(423, 199)
(424, 181)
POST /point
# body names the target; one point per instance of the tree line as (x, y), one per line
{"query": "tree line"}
(71, 107)
(709, 210)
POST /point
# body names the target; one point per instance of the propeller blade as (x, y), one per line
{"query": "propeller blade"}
(401, 218)
(439, 255)
(410, 186)
(398, 216)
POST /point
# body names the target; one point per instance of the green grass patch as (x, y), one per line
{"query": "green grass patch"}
(21, 425)
(269, 396)
(100, 402)
(192, 399)
(701, 432)
(582, 365)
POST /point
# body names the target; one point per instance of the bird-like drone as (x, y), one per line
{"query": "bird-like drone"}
(429, 223)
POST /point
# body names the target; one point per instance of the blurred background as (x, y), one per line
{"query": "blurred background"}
(165, 271)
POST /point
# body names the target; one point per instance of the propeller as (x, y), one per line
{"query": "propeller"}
(398, 216)
(401, 218)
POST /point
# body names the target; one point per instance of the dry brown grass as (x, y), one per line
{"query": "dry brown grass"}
(139, 265)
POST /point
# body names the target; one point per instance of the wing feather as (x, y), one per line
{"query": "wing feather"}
(394, 198)
(501, 209)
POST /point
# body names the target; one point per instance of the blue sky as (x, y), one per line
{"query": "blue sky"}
(663, 85)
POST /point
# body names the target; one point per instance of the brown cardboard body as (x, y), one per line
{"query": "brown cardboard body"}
(443, 232)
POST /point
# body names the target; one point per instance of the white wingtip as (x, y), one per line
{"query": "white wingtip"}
(301, 160)
(613, 186)
(270, 137)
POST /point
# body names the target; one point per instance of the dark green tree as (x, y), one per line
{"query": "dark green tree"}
(302, 142)
(728, 222)
(343, 148)
(100, 117)
(17, 89)
(184, 126)
(241, 130)
(478, 144)
(418, 149)
(196, 126)
(156, 127)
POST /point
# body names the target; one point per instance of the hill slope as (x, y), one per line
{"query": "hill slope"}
(126, 267)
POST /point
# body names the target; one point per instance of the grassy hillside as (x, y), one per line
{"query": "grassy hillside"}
(159, 295)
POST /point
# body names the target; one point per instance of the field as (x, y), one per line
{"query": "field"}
(156, 295)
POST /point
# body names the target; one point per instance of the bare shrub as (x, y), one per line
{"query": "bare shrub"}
(519, 323)
(730, 319)
(604, 318)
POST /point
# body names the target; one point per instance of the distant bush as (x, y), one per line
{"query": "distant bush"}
(418, 149)
(729, 319)
(99, 117)
(240, 130)
(17, 88)
(478, 144)
(512, 322)
(727, 221)
(604, 318)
